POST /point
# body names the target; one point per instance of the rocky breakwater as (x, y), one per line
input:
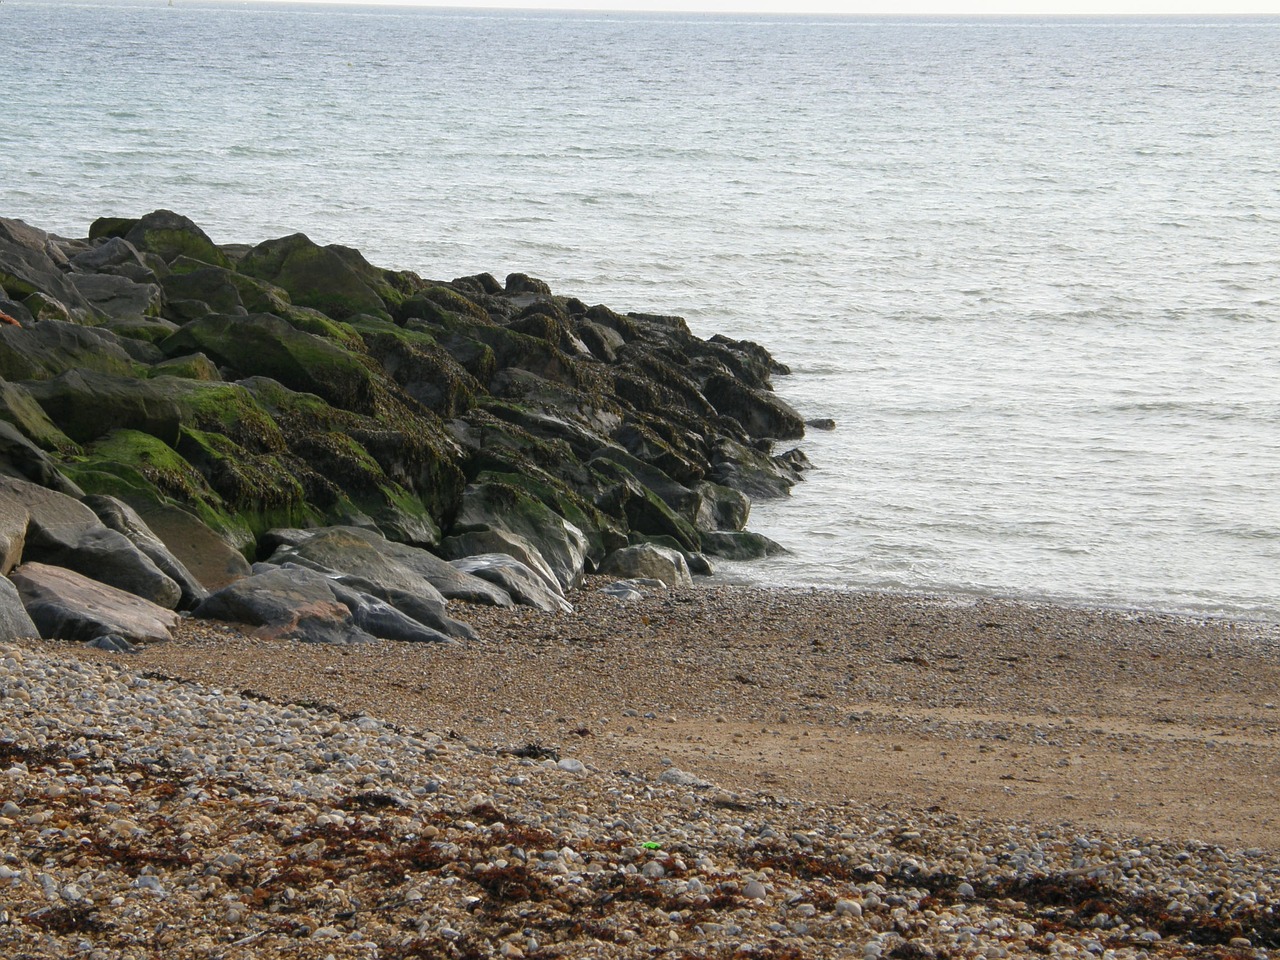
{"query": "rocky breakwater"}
(287, 436)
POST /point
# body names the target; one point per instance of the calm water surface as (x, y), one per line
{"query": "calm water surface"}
(1031, 267)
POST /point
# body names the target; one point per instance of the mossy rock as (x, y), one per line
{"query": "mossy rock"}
(194, 280)
(19, 408)
(415, 360)
(265, 345)
(139, 469)
(497, 505)
(170, 235)
(87, 405)
(47, 349)
(329, 279)
(740, 545)
(602, 531)
(413, 452)
(438, 302)
(228, 409)
(191, 366)
(111, 227)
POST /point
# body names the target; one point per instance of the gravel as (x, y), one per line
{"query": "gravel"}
(176, 815)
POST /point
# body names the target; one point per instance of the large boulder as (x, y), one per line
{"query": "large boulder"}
(262, 344)
(499, 542)
(170, 235)
(15, 622)
(119, 516)
(366, 555)
(298, 603)
(32, 265)
(19, 457)
(648, 561)
(522, 583)
(65, 605)
(494, 505)
(198, 547)
(64, 532)
(118, 297)
(329, 278)
(740, 545)
(51, 347)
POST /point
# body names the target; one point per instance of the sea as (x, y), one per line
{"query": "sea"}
(1029, 266)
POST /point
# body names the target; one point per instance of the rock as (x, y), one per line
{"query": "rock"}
(122, 518)
(207, 556)
(262, 344)
(64, 532)
(426, 611)
(383, 620)
(329, 278)
(292, 603)
(476, 543)
(390, 566)
(20, 409)
(753, 472)
(680, 778)
(649, 560)
(740, 545)
(15, 622)
(19, 457)
(30, 264)
(64, 605)
(113, 255)
(495, 505)
(117, 297)
(13, 533)
(51, 347)
(622, 590)
(821, 423)
(520, 582)
(170, 235)
(113, 643)
(700, 565)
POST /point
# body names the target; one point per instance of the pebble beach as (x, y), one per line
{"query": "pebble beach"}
(715, 772)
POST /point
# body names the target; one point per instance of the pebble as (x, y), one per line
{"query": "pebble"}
(256, 827)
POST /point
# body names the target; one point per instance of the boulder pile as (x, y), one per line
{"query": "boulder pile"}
(287, 436)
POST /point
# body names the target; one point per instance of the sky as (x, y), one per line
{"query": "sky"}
(899, 7)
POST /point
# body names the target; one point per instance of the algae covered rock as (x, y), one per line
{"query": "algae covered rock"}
(228, 391)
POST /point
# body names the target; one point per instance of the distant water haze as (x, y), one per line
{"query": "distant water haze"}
(1030, 266)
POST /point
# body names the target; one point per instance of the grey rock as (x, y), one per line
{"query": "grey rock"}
(113, 252)
(487, 542)
(392, 566)
(198, 547)
(118, 297)
(114, 643)
(740, 545)
(523, 584)
(15, 622)
(700, 565)
(622, 590)
(498, 506)
(64, 605)
(30, 262)
(303, 604)
(64, 532)
(13, 533)
(122, 518)
(649, 560)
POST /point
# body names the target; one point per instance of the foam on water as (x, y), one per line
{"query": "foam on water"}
(1029, 266)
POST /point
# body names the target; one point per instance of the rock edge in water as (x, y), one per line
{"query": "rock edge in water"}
(266, 392)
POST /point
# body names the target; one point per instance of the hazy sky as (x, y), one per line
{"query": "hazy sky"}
(880, 6)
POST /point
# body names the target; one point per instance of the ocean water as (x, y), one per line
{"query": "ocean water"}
(1030, 266)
